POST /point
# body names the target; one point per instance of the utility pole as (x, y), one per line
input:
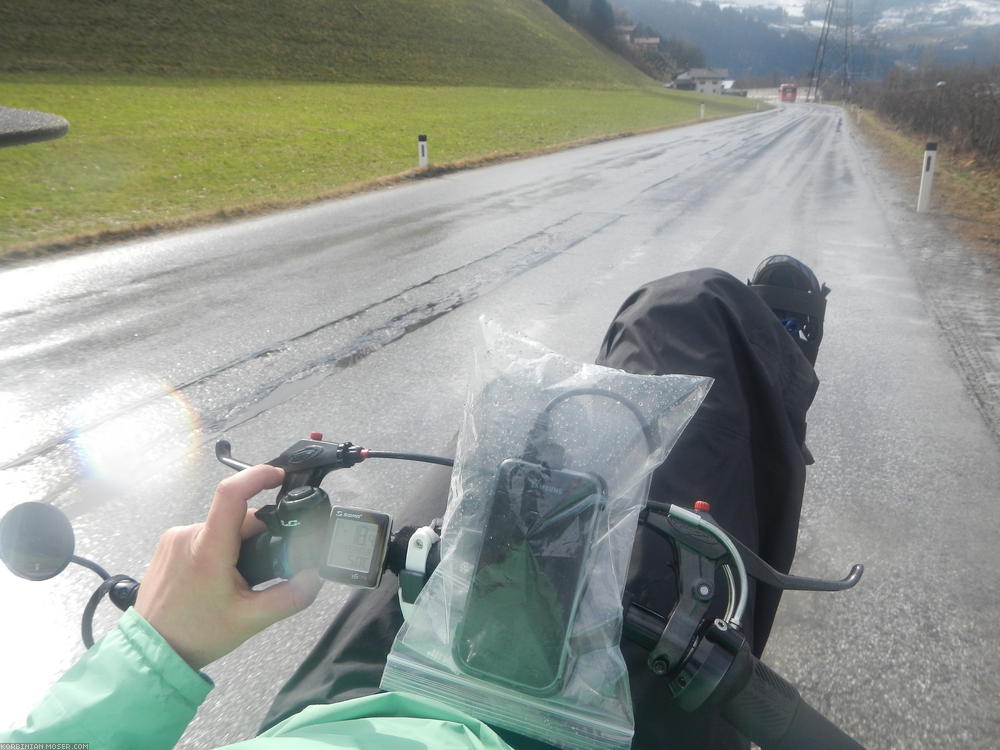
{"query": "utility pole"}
(846, 20)
(848, 49)
(816, 75)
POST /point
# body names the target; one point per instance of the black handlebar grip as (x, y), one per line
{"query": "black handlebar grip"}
(262, 558)
(769, 711)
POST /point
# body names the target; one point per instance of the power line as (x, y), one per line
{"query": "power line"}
(848, 48)
(816, 74)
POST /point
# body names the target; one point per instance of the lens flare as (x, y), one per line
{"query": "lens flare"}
(134, 427)
(35, 648)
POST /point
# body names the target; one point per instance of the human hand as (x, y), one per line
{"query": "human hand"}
(192, 593)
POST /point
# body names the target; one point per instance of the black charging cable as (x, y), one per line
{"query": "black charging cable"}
(541, 449)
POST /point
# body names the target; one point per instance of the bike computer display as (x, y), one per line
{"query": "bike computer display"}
(356, 552)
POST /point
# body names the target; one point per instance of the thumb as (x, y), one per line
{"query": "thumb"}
(289, 597)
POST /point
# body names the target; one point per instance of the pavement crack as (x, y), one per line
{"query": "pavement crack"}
(277, 372)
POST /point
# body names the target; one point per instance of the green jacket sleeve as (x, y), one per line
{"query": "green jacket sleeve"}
(130, 690)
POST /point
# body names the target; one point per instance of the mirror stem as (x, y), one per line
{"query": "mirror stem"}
(90, 564)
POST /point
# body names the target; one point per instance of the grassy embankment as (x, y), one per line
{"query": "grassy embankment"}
(147, 154)
(180, 113)
(966, 192)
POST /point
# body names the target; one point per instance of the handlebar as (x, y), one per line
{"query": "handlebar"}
(705, 663)
(758, 702)
(715, 667)
(754, 699)
(770, 711)
(263, 558)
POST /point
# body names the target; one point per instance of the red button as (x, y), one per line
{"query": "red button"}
(315, 435)
(702, 506)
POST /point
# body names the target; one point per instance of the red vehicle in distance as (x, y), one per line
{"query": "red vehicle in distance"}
(787, 92)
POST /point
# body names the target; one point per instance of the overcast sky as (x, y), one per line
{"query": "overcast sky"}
(792, 6)
(985, 11)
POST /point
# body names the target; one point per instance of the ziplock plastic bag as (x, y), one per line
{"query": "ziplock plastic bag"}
(519, 624)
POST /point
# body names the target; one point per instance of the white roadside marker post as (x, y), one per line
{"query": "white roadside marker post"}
(422, 149)
(702, 111)
(927, 178)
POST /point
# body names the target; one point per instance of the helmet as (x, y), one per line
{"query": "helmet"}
(792, 291)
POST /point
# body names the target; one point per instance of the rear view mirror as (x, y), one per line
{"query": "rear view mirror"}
(36, 541)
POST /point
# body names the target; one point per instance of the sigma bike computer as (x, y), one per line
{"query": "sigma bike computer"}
(359, 539)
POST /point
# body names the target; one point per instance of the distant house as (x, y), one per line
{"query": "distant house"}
(702, 80)
(627, 35)
(624, 33)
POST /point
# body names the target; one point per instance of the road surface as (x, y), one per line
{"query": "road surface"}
(120, 368)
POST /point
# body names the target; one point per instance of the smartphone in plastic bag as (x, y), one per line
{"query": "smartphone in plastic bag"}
(520, 623)
(530, 575)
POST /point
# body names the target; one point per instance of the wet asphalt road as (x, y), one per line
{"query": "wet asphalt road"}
(120, 368)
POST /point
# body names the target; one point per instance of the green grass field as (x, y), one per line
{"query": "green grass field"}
(185, 111)
(440, 42)
(156, 151)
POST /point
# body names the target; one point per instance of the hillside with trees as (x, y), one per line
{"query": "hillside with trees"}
(759, 42)
(748, 42)
(612, 27)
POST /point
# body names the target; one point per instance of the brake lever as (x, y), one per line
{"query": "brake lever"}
(224, 452)
(701, 664)
(764, 573)
(305, 463)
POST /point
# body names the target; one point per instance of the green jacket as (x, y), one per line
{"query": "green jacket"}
(132, 690)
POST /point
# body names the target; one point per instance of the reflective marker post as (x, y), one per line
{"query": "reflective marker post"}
(702, 112)
(927, 178)
(422, 149)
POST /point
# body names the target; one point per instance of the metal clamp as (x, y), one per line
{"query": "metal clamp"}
(414, 575)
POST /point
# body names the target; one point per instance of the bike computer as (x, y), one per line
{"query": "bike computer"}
(358, 543)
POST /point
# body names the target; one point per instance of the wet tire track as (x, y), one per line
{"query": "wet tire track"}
(276, 373)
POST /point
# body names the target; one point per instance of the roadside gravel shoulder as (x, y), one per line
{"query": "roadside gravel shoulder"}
(959, 281)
